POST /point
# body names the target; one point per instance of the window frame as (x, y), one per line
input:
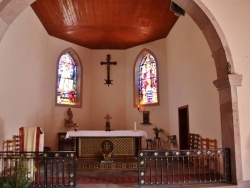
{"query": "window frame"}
(138, 60)
(78, 63)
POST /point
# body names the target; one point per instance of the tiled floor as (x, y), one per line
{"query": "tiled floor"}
(116, 174)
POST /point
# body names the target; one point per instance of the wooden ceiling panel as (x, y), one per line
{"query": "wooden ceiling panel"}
(106, 24)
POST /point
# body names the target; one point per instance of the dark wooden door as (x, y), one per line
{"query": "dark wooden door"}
(183, 127)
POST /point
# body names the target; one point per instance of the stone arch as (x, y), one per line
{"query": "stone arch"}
(226, 83)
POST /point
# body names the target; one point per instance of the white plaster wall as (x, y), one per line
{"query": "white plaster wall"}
(28, 72)
(158, 114)
(191, 71)
(107, 99)
(21, 52)
(58, 114)
(186, 76)
(233, 17)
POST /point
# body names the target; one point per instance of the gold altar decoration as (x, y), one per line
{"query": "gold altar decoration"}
(89, 147)
(107, 148)
(119, 164)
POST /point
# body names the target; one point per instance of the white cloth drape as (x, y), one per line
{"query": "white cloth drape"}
(98, 133)
(29, 139)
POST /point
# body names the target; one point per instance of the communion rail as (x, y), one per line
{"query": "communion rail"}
(38, 169)
(177, 167)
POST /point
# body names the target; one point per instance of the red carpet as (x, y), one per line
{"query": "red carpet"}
(105, 177)
(134, 179)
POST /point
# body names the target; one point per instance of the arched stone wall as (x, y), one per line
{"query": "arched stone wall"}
(226, 83)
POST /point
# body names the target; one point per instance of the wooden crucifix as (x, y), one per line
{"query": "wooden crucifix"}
(108, 63)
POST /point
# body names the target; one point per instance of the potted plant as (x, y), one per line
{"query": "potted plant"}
(157, 131)
(171, 139)
(18, 179)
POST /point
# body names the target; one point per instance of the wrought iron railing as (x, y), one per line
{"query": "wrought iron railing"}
(41, 169)
(160, 167)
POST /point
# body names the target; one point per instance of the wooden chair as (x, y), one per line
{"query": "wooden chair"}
(8, 163)
(16, 144)
(208, 161)
(6, 146)
(201, 161)
(211, 143)
(213, 160)
(194, 144)
(203, 143)
(194, 141)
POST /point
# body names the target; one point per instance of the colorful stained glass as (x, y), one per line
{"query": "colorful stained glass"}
(66, 81)
(148, 85)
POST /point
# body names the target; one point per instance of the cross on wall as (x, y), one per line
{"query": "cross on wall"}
(108, 63)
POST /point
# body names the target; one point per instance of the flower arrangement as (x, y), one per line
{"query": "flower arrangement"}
(157, 131)
(171, 139)
(107, 156)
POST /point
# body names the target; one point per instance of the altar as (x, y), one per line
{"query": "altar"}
(126, 142)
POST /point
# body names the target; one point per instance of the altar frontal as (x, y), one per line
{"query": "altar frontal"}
(126, 143)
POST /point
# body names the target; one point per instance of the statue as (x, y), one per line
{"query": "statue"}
(70, 115)
(107, 122)
(69, 122)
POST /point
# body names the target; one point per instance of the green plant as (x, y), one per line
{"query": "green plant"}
(157, 130)
(19, 179)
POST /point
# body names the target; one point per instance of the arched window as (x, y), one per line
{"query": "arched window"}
(146, 79)
(68, 85)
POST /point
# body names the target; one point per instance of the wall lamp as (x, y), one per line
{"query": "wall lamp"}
(140, 108)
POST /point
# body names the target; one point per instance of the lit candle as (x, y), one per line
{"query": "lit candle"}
(134, 125)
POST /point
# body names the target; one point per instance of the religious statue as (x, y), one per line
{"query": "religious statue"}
(70, 115)
(69, 122)
(107, 122)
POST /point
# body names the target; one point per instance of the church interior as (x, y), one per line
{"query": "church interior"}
(202, 79)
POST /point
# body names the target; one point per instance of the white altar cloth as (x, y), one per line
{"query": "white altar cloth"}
(116, 133)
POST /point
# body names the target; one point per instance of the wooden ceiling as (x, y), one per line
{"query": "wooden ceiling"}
(106, 24)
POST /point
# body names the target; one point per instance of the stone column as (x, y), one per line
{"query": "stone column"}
(230, 129)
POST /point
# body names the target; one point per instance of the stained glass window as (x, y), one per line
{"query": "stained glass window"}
(147, 78)
(66, 80)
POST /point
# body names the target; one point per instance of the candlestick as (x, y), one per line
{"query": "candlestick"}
(134, 125)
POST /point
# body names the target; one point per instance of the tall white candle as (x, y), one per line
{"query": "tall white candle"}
(134, 125)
